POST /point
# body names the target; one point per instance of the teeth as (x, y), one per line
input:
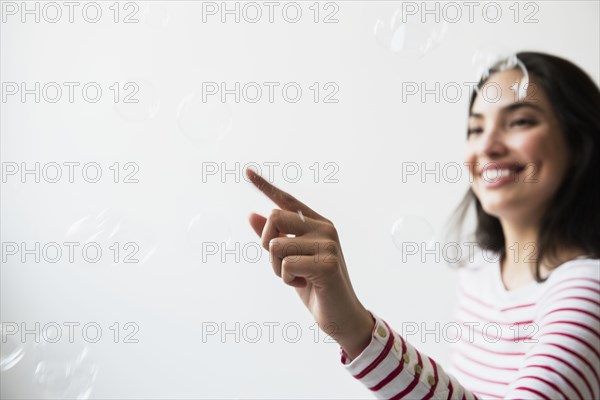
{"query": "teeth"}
(493, 173)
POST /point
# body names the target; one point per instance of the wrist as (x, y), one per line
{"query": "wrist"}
(358, 338)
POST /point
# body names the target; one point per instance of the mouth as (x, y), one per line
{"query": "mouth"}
(498, 174)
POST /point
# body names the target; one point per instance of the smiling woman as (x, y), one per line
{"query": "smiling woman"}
(543, 149)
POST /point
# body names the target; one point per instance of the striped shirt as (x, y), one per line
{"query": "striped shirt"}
(538, 341)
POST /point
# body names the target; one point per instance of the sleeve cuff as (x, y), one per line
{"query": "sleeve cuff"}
(391, 367)
(380, 338)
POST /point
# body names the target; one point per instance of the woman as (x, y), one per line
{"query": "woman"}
(534, 161)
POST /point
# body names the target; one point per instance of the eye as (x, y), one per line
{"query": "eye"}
(522, 122)
(471, 131)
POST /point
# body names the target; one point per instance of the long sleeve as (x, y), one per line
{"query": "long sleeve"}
(562, 361)
(393, 369)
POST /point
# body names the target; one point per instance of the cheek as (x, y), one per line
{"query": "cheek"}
(532, 147)
(470, 156)
(539, 148)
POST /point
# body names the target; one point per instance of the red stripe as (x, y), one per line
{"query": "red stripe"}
(394, 373)
(552, 292)
(552, 385)
(412, 385)
(492, 351)
(488, 320)
(435, 378)
(586, 312)
(487, 395)
(519, 306)
(450, 388)
(343, 358)
(579, 298)
(463, 354)
(480, 378)
(583, 378)
(574, 338)
(583, 359)
(582, 326)
(380, 357)
(505, 339)
(533, 391)
(490, 306)
(579, 395)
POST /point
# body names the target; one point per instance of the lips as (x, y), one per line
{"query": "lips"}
(498, 168)
(496, 174)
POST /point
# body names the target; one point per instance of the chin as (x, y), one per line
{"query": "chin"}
(495, 207)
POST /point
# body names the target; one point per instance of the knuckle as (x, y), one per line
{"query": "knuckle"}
(275, 213)
(330, 247)
(328, 230)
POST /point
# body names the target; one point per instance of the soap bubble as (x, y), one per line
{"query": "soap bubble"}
(100, 227)
(138, 100)
(203, 122)
(136, 242)
(11, 350)
(485, 57)
(65, 371)
(412, 229)
(410, 38)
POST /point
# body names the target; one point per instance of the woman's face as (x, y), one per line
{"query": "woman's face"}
(516, 151)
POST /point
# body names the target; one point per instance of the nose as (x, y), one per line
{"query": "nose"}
(491, 142)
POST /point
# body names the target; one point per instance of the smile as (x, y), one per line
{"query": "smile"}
(495, 176)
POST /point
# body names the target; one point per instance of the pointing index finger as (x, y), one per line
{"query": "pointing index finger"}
(283, 199)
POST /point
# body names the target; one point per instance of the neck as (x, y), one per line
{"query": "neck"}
(521, 252)
(521, 245)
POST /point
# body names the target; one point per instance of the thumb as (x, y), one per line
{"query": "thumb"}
(258, 223)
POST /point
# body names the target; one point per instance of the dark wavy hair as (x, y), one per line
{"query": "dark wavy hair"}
(572, 221)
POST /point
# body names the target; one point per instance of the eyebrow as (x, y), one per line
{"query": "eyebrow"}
(511, 108)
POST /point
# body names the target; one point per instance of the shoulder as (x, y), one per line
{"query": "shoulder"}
(572, 294)
(578, 266)
(575, 273)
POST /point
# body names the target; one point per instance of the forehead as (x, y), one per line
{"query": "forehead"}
(501, 90)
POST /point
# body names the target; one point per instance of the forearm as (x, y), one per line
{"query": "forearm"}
(358, 338)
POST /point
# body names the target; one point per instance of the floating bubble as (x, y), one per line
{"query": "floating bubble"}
(204, 121)
(409, 38)
(414, 230)
(11, 350)
(483, 59)
(100, 227)
(137, 100)
(487, 57)
(136, 242)
(64, 371)
(208, 227)
(156, 15)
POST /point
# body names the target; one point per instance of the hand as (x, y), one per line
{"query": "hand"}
(313, 263)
